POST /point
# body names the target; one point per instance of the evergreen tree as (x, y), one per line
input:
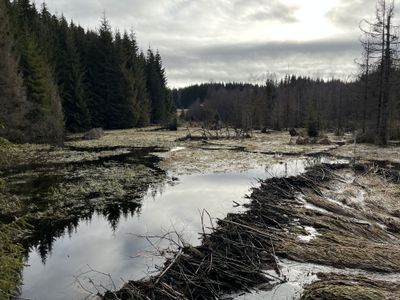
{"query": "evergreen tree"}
(87, 78)
(108, 107)
(13, 102)
(45, 114)
(73, 93)
(134, 67)
(161, 99)
(143, 95)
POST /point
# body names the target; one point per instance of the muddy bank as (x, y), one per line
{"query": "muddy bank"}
(326, 216)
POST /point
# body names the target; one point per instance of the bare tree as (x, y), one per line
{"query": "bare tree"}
(365, 76)
(381, 45)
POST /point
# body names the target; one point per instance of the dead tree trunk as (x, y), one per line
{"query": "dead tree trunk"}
(380, 47)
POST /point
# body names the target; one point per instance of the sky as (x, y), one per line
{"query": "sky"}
(236, 40)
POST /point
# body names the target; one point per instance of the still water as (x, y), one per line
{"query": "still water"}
(99, 254)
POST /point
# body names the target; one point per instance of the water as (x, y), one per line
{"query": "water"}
(100, 253)
(299, 275)
(110, 249)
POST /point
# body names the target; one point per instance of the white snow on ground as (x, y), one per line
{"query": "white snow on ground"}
(312, 233)
(177, 149)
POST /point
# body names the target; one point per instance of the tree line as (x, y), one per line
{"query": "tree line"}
(292, 102)
(56, 76)
(369, 104)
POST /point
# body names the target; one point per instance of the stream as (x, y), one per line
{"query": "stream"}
(108, 247)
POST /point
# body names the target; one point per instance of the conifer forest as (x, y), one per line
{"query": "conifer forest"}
(62, 78)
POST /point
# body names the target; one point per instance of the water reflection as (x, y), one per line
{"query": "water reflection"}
(59, 195)
(108, 239)
(109, 246)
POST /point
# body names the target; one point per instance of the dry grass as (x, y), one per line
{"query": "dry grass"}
(275, 224)
(369, 152)
(351, 232)
(346, 287)
(11, 256)
(357, 219)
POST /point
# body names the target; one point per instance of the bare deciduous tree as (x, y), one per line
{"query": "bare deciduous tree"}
(380, 46)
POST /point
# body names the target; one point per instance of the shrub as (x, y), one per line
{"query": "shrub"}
(313, 126)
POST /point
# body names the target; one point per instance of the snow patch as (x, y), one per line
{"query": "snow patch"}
(312, 233)
(311, 206)
(175, 149)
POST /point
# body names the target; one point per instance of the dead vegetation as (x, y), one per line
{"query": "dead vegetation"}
(216, 133)
(339, 286)
(11, 255)
(52, 196)
(279, 222)
(351, 225)
(369, 152)
(94, 134)
(355, 213)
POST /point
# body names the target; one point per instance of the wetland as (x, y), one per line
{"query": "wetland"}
(118, 215)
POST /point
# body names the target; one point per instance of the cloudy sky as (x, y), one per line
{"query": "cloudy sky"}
(236, 40)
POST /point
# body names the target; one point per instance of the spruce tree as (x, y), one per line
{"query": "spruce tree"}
(13, 102)
(107, 83)
(87, 78)
(77, 117)
(143, 94)
(161, 99)
(45, 114)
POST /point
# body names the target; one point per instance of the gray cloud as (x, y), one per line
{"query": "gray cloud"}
(251, 61)
(227, 40)
(277, 49)
(261, 10)
(348, 13)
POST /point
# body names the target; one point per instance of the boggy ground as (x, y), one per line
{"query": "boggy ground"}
(333, 215)
(44, 187)
(46, 190)
(189, 156)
